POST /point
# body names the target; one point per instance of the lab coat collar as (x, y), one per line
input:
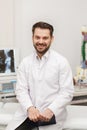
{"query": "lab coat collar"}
(46, 55)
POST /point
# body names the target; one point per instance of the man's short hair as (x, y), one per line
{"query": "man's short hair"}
(43, 25)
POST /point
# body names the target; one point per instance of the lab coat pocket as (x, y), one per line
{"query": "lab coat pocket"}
(51, 74)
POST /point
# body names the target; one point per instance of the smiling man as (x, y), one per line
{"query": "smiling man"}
(44, 85)
(42, 39)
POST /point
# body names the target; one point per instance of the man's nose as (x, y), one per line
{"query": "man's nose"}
(41, 40)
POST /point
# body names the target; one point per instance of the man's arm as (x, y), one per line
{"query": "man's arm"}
(22, 88)
(66, 91)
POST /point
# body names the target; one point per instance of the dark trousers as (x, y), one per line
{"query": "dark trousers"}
(30, 125)
(26, 125)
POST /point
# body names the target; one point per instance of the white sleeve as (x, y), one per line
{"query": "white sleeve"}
(22, 88)
(66, 91)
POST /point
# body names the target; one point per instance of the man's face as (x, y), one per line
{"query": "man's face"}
(42, 40)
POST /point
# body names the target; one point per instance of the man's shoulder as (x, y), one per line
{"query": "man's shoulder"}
(26, 60)
(58, 56)
(28, 57)
(59, 59)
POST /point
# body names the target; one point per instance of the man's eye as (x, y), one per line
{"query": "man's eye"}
(45, 38)
(37, 37)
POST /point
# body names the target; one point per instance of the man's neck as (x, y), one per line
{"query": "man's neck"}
(40, 55)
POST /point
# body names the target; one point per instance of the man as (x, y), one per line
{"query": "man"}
(44, 83)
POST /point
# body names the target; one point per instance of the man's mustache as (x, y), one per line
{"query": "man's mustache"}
(41, 44)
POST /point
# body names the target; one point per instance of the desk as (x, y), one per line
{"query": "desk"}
(8, 97)
(80, 95)
(7, 89)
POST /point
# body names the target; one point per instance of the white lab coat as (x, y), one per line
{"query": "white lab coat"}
(44, 83)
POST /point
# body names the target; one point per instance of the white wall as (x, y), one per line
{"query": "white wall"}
(6, 23)
(67, 17)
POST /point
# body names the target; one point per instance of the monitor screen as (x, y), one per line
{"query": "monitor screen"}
(7, 61)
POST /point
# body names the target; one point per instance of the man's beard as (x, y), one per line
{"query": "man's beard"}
(41, 52)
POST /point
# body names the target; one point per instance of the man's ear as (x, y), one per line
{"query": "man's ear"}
(32, 37)
(52, 39)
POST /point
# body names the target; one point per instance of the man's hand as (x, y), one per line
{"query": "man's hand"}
(33, 114)
(46, 115)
